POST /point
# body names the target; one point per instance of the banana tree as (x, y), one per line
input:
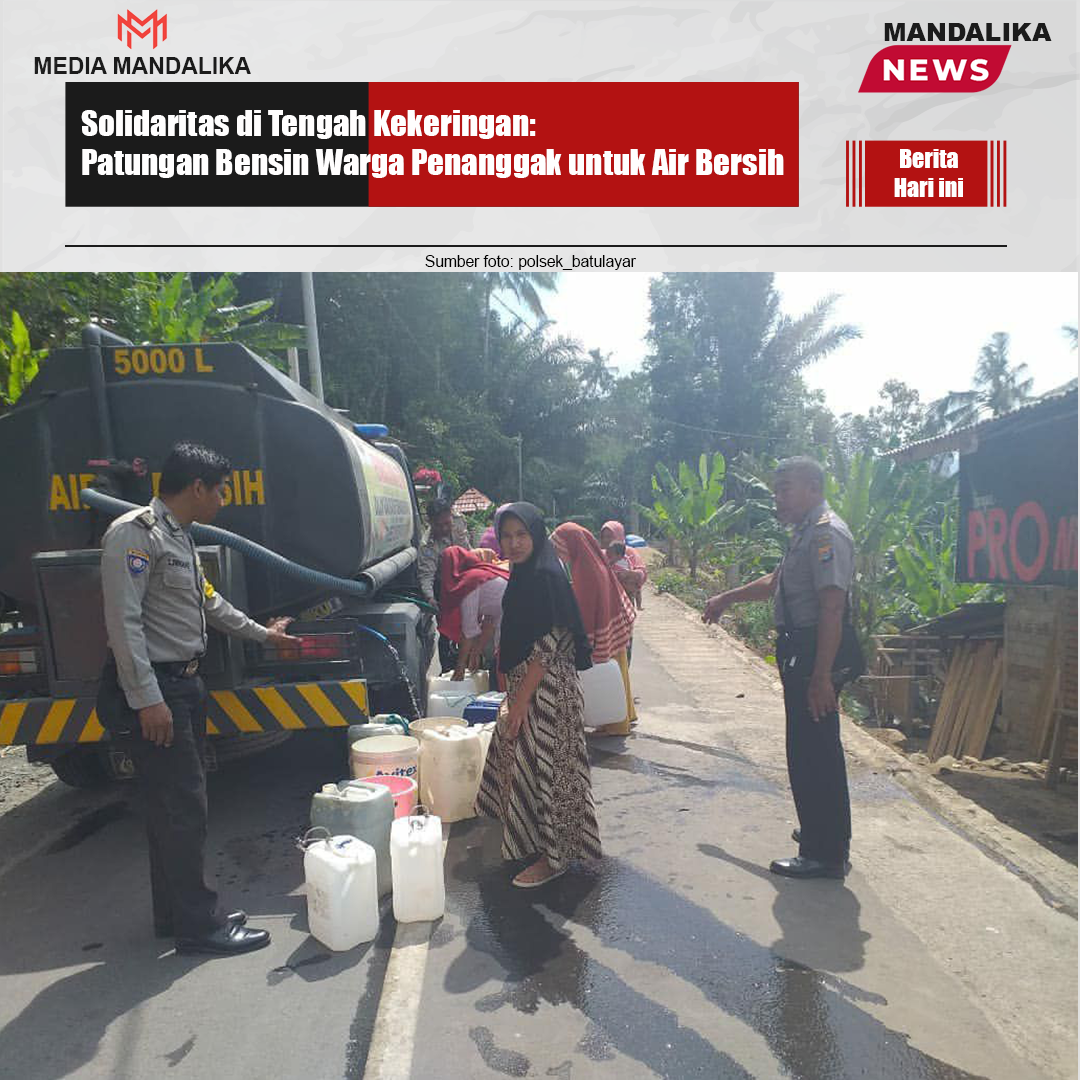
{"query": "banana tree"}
(928, 564)
(883, 505)
(18, 361)
(175, 310)
(690, 508)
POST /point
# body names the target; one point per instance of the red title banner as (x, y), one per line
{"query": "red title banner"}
(587, 144)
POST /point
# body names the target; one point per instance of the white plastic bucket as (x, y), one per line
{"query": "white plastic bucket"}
(342, 894)
(605, 695)
(416, 860)
(474, 682)
(451, 764)
(385, 755)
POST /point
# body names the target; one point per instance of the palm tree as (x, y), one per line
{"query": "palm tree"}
(524, 289)
(998, 388)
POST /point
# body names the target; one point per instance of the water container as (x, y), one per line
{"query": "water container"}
(605, 694)
(342, 893)
(451, 763)
(474, 682)
(485, 731)
(484, 709)
(402, 790)
(427, 723)
(416, 857)
(450, 702)
(385, 755)
(383, 724)
(361, 809)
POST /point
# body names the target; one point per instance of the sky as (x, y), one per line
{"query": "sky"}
(923, 328)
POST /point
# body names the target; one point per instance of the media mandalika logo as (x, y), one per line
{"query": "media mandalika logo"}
(125, 27)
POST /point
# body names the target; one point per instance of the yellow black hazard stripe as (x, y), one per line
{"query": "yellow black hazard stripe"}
(294, 707)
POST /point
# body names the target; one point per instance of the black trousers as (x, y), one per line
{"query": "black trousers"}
(816, 767)
(172, 783)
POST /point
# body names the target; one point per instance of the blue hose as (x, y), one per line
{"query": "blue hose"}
(210, 534)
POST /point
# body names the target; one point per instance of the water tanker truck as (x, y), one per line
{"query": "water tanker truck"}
(320, 523)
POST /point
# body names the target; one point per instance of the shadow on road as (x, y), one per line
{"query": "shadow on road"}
(77, 917)
(788, 994)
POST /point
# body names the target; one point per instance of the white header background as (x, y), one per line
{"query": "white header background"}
(825, 47)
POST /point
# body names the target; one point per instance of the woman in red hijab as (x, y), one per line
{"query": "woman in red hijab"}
(470, 606)
(606, 609)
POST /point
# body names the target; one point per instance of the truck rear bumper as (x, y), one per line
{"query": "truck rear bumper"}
(250, 709)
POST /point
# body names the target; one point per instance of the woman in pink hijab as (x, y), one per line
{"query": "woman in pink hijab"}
(633, 575)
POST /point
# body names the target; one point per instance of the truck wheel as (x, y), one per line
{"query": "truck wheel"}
(81, 769)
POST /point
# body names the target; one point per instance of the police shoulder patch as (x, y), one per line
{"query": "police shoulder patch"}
(137, 561)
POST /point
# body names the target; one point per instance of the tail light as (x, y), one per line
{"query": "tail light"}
(310, 649)
(16, 662)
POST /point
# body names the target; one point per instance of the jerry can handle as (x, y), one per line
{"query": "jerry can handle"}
(418, 818)
(303, 842)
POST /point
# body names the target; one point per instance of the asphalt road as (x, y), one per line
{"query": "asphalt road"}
(87, 991)
(678, 955)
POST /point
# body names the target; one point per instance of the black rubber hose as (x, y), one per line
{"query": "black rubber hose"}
(370, 581)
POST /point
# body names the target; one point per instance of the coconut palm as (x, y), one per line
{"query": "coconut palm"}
(523, 287)
(998, 389)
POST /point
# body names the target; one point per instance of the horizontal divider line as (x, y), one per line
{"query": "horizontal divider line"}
(545, 245)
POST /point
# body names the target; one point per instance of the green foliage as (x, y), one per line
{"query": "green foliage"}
(999, 387)
(927, 563)
(18, 361)
(175, 309)
(726, 362)
(690, 509)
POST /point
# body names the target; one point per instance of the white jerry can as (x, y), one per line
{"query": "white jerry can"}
(342, 891)
(416, 865)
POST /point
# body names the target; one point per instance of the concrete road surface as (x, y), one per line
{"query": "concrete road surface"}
(678, 955)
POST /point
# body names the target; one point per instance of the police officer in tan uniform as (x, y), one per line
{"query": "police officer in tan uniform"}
(810, 593)
(157, 606)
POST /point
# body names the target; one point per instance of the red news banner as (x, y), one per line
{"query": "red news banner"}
(950, 172)
(433, 144)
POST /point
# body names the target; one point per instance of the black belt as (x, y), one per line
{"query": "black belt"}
(176, 668)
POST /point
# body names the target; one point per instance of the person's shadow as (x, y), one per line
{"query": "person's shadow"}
(813, 1021)
(819, 925)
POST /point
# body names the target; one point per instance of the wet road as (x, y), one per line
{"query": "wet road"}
(86, 991)
(679, 955)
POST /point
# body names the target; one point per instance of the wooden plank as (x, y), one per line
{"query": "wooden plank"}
(982, 718)
(941, 732)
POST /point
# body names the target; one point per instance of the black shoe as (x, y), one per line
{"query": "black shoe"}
(165, 930)
(796, 835)
(226, 940)
(800, 867)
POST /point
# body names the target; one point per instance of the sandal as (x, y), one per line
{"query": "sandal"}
(536, 884)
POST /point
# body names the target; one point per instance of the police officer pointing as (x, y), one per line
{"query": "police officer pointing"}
(157, 606)
(816, 652)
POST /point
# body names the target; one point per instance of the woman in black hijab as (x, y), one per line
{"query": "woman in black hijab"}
(536, 780)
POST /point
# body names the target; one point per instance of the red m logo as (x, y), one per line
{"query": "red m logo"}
(141, 27)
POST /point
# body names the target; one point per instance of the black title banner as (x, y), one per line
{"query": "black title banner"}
(127, 146)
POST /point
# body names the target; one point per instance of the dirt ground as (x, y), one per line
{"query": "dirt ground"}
(19, 780)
